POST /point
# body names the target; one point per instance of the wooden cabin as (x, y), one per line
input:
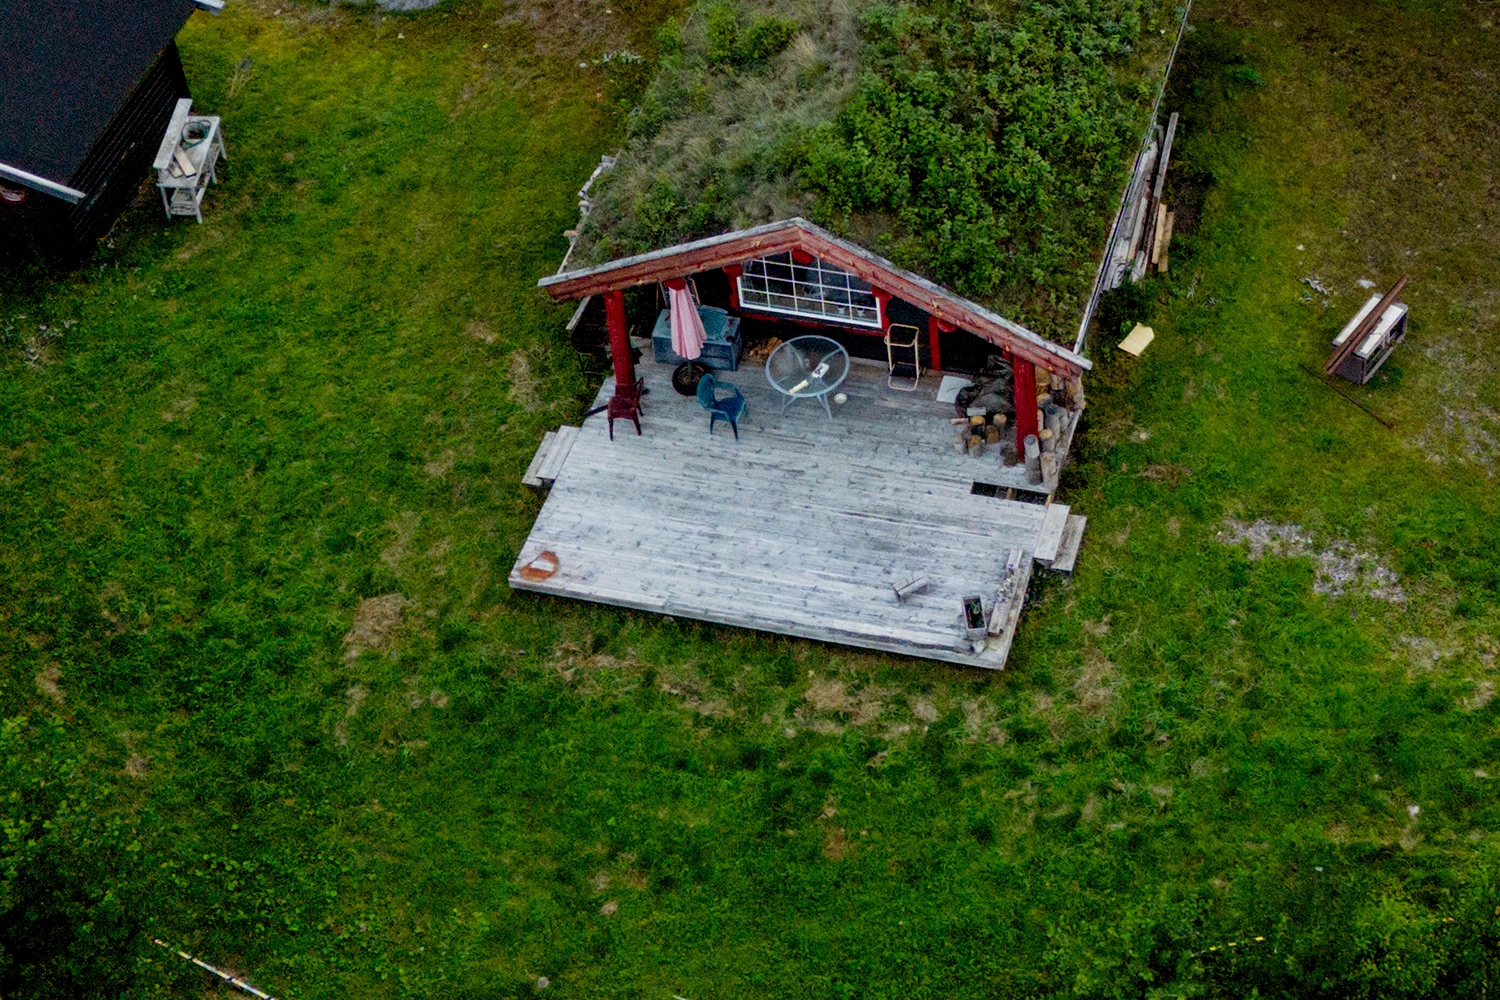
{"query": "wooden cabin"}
(89, 87)
(897, 517)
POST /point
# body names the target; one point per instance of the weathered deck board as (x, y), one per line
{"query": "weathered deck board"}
(562, 444)
(1050, 537)
(542, 450)
(1072, 539)
(802, 527)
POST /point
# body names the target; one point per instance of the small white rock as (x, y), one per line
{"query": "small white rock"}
(1413, 810)
(1365, 283)
(542, 982)
(1301, 247)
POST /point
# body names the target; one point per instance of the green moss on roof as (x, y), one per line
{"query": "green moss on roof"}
(983, 145)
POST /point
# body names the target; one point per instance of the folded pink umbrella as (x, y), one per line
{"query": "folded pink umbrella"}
(687, 326)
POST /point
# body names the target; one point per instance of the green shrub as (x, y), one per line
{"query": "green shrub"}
(70, 878)
(732, 44)
(767, 38)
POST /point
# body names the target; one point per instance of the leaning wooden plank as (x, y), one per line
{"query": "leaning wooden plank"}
(1067, 551)
(184, 162)
(1166, 244)
(562, 445)
(1166, 157)
(173, 134)
(1050, 535)
(531, 478)
(1159, 232)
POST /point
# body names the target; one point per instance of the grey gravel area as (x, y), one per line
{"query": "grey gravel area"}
(406, 4)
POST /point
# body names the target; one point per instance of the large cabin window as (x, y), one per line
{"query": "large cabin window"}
(815, 290)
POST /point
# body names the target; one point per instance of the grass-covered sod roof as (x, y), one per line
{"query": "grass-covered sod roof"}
(983, 145)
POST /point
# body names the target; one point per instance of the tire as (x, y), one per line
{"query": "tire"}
(686, 376)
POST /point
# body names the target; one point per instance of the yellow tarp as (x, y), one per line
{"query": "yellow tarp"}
(1137, 340)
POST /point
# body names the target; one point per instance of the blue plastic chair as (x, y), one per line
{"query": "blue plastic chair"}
(731, 407)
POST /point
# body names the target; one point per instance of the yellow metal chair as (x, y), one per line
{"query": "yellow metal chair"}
(900, 337)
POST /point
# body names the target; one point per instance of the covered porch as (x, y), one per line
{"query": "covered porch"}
(804, 526)
(883, 523)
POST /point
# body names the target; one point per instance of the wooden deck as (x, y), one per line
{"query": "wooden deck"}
(803, 527)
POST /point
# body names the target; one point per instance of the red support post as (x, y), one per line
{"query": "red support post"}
(734, 271)
(626, 402)
(936, 327)
(1025, 392)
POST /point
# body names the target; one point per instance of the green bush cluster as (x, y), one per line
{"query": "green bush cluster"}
(71, 878)
(732, 42)
(995, 139)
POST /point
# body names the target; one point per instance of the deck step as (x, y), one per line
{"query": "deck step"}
(1067, 549)
(1050, 536)
(550, 456)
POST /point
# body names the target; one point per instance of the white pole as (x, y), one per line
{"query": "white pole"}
(232, 980)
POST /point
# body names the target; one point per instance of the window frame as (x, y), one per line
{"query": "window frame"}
(844, 281)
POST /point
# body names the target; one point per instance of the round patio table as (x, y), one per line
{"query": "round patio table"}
(807, 367)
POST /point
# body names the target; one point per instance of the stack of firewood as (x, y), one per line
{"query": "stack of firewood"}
(973, 433)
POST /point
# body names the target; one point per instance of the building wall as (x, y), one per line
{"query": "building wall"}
(110, 176)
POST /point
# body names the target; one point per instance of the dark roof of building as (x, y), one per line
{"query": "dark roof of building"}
(799, 234)
(66, 67)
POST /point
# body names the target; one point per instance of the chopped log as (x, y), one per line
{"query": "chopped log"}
(1053, 418)
(992, 434)
(1047, 440)
(999, 420)
(1033, 459)
(975, 443)
(1050, 467)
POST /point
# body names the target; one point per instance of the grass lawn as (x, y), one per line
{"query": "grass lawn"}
(329, 391)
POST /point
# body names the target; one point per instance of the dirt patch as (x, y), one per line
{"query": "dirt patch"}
(354, 697)
(478, 329)
(137, 765)
(833, 695)
(1172, 475)
(924, 710)
(525, 383)
(835, 844)
(1092, 687)
(47, 683)
(1484, 693)
(1090, 811)
(1341, 567)
(375, 623)
(179, 409)
(609, 908)
(441, 465)
(404, 526)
